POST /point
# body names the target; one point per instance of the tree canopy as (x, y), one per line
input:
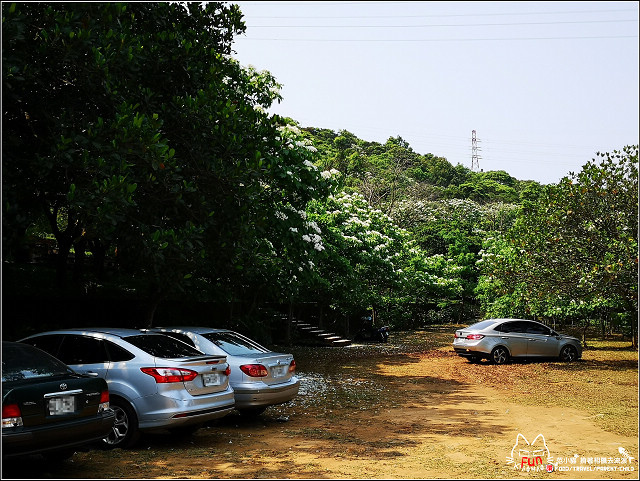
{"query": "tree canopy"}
(134, 139)
(574, 253)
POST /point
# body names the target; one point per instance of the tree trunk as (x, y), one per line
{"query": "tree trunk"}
(152, 305)
(584, 333)
(99, 252)
(64, 247)
(321, 316)
(79, 259)
(287, 329)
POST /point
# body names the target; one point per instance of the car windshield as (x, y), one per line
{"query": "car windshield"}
(234, 344)
(26, 362)
(478, 326)
(159, 345)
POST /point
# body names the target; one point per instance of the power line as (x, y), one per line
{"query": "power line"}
(289, 4)
(445, 25)
(365, 40)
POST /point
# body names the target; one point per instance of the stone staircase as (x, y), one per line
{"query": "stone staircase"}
(317, 336)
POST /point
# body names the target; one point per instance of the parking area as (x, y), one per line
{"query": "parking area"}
(407, 409)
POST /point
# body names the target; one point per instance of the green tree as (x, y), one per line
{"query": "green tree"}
(131, 128)
(573, 253)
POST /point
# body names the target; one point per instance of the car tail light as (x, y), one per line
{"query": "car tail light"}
(169, 374)
(455, 335)
(475, 337)
(11, 416)
(227, 371)
(254, 370)
(104, 401)
(292, 366)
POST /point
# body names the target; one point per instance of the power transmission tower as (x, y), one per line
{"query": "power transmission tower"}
(474, 151)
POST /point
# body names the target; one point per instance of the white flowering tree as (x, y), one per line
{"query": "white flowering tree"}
(369, 262)
(136, 134)
(276, 258)
(456, 228)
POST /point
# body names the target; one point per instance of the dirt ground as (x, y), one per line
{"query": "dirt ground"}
(405, 411)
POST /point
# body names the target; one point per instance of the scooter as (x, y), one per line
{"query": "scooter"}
(372, 334)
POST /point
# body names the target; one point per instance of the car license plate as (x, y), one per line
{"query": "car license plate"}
(278, 371)
(211, 379)
(62, 405)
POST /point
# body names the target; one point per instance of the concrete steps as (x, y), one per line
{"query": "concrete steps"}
(319, 336)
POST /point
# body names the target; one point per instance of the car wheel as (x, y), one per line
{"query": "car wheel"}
(252, 412)
(568, 354)
(124, 433)
(500, 355)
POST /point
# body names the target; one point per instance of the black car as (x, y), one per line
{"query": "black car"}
(48, 408)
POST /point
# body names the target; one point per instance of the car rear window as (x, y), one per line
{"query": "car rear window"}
(481, 325)
(26, 362)
(234, 344)
(159, 345)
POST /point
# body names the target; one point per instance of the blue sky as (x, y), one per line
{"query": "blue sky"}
(545, 85)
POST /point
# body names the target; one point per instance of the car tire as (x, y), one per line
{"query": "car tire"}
(568, 354)
(500, 355)
(474, 359)
(125, 433)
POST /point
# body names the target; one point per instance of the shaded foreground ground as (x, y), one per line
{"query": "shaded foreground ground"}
(406, 409)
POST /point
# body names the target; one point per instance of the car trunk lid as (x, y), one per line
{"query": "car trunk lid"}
(212, 373)
(41, 403)
(277, 367)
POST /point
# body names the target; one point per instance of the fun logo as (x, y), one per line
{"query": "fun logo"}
(625, 453)
(533, 456)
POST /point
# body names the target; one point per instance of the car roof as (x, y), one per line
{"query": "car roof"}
(504, 319)
(489, 323)
(194, 329)
(511, 319)
(115, 331)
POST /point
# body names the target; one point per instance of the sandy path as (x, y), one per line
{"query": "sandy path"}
(445, 424)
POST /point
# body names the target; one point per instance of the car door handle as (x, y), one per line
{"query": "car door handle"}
(92, 373)
(504, 337)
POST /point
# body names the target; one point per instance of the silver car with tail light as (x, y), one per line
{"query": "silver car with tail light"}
(500, 340)
(260, 377)
(156, 383)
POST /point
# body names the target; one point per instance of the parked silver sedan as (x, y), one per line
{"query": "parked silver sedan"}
(155, 382)
(260, 377)
(499, 340)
